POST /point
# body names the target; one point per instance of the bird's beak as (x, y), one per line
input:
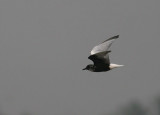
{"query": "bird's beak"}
(84, 69)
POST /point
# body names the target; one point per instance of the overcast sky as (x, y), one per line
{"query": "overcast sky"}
(44, 45)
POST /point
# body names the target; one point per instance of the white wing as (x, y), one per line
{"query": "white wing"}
(104, 46)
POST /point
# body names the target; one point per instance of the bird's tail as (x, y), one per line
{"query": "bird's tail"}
(115, 66)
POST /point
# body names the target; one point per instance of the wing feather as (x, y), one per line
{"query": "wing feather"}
(100, 59)
(104, 46)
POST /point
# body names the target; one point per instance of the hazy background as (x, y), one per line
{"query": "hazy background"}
(44, 44)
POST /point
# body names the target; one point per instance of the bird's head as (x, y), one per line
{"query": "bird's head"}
(89, 67)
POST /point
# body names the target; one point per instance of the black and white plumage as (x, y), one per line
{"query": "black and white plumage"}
(100, 57)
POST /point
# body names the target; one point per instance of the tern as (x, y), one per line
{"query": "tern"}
(100, 57)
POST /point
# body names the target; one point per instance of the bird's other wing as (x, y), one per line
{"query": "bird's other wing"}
(100, 59)
(104, 46)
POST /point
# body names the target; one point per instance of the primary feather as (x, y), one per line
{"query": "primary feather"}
(104, 46)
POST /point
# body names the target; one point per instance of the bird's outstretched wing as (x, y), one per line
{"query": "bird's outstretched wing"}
(100, 59)
(104, 46)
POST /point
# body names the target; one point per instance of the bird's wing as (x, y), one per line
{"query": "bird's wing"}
(100, 59)
(104, 46)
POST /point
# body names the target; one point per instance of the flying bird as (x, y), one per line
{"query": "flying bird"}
(100, 57)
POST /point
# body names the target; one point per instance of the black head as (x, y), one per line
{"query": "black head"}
(89, 67)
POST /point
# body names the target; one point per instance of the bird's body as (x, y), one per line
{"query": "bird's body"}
(100, 57)
(94, 68)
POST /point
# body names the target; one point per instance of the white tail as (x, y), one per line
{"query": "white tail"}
(112, 66)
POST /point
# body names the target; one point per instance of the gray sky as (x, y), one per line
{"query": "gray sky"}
(44, 44)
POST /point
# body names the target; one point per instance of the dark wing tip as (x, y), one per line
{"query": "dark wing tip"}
(117, 36)
(114, 37)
